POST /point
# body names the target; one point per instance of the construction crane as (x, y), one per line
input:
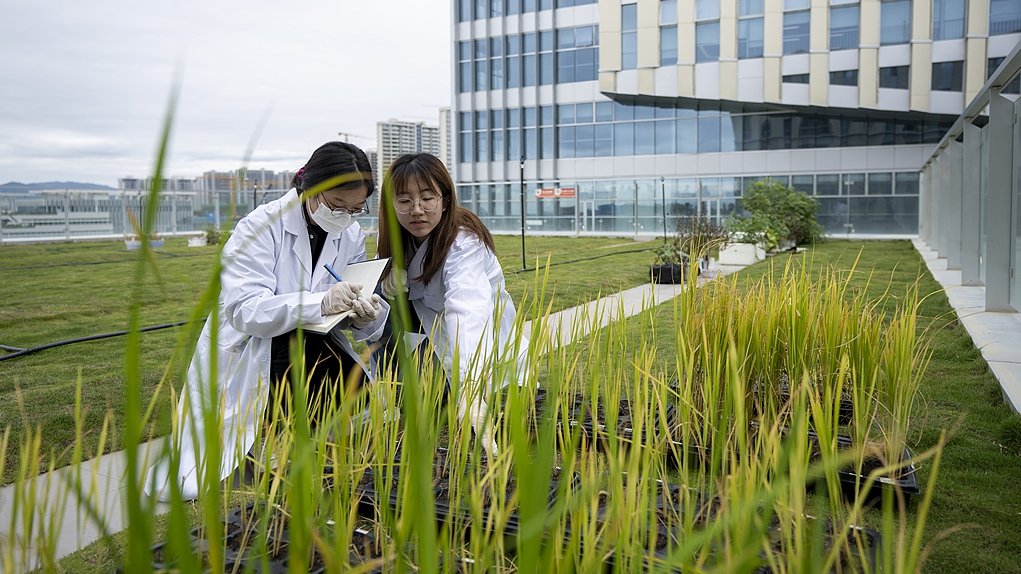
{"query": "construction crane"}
(346, 137)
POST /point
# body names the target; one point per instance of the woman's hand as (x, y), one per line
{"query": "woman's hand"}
(395, 282)
(366, 310)
(340, 298)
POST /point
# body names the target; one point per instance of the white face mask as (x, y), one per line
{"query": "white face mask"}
(329, 221)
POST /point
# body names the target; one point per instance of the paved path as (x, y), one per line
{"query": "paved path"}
(995, 334)
(103, 477)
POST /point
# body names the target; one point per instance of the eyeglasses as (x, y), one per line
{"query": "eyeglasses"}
(363, 210)
(428, 203)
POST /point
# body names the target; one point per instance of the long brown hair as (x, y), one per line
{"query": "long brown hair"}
(426, 168)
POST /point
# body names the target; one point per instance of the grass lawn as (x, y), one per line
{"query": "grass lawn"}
(975, 519)
(57, 291)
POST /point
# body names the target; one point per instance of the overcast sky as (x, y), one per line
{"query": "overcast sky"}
(84, 85)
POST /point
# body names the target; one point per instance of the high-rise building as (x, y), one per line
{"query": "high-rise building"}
(395, 138)
(446, 140)
(658, 107)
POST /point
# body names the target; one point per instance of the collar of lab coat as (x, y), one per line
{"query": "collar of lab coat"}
(295, 224)
(416, 287)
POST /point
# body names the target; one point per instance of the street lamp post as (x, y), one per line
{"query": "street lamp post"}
(255, 201)
(662, 190)
(521, 179)
(848, 228)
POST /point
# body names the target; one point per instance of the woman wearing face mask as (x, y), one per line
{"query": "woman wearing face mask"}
(273, 279)
(454, 284)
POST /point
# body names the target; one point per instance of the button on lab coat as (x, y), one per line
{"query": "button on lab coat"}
(268, 287)
(466, 309)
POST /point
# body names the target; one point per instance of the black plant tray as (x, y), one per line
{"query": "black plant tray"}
(370, 499)
(669, 533)
(580, 416)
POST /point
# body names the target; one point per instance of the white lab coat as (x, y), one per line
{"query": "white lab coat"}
(466, 308)
(265, 292)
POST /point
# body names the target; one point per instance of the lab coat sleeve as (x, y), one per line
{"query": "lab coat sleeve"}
(252, 259)
(468, 307)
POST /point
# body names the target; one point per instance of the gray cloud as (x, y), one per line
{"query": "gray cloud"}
(86, 84)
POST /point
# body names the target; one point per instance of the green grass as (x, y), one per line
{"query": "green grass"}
(976, 505)
(57, 291)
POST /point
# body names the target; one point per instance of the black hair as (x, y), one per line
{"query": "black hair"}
(334, 159)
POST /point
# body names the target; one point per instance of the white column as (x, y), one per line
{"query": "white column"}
(971, 201)
(998, 238)
(955, 158)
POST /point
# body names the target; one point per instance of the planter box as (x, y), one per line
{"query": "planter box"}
(370, 499)
(741, 254)
(132, 244)
(668, 274)
(580, 415)
(197, 241)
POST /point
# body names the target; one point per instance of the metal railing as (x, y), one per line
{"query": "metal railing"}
(970, 206)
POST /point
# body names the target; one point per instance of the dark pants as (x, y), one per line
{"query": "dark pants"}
(328, 370)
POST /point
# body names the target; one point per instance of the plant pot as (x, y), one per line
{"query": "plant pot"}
(132, 244)
(741, 254)
(669, 274)
(154, 243)
(197, 241)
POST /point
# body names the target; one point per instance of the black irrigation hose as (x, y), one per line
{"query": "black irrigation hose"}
(592, 258)
(31, 350)
(7, 348)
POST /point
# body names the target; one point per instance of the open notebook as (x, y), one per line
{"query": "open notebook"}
(364, 273)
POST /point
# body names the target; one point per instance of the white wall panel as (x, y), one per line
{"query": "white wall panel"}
(899, 55)
(707, 80)
(795, 64)
(843, 60)
(843, 96)
(891, 99)
(948, 51)
(946, 102)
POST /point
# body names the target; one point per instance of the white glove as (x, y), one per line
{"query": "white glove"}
(396, 282)
(476, 415)
(340, 298)
(366, 310)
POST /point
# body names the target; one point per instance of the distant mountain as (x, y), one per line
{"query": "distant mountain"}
(18, 187)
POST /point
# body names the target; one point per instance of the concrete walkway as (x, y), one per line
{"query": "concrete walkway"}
(995, 334)
(103, 477)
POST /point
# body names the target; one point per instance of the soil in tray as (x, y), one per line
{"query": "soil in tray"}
(441, 482)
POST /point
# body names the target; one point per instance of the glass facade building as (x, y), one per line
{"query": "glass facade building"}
(647, 111)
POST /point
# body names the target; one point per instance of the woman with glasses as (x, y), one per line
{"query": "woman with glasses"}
(274, 278)
(454, 284)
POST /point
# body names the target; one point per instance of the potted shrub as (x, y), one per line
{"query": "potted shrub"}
(700, 238)
(776, 217)
(132, 243)
(671, 263)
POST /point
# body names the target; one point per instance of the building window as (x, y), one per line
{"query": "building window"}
(464, 10)
(481, 8)
(464, 126)
(512, 67)
(545, 58)
(749, 38)
(513, 7)
(496, 151)
(464, 66)
(796, 32)
(629, 36)
(667, 45)
(844, 78)
(895, 22)
(481, 65)
(576, 54)
(1004, 17)
(1012, 87)
(844, 28)
(948, 19)
(796, 79)
(707, 10)
(707, 41)
(948, 76)
(895, 77)
(667, 32)
(495, 8)
(496, 63)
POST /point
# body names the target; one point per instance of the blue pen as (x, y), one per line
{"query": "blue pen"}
(332, 272)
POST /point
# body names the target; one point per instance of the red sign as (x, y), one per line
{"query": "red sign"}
(556, 192)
